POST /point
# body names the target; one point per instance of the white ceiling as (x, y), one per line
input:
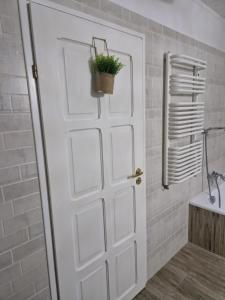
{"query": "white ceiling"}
(217, 5)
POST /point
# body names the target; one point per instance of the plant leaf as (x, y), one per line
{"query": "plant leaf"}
(107, 64)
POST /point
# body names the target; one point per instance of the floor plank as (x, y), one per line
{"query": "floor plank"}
(192, 274)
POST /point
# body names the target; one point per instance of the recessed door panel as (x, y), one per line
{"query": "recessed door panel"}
(122, 151)
(89, 232)
(77, 68)
(126, 270)
(124, 205)
(121, 102)
(95, 285)
(86, 161)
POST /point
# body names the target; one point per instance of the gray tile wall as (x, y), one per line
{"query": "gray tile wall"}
(23, 268)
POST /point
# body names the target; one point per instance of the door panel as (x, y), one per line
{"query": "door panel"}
(89, 284)
(121, 101)
(92, 145)
(126, 270)
(86, 149)
(122, 152)
(90, 233)
(76, 57)
(124, 205)
(79, 102)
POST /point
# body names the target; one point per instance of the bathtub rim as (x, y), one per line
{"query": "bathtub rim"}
(201, 202)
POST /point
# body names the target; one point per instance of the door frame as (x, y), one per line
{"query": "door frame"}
(36, 118)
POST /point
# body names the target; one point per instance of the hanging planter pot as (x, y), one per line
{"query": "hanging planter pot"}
(105, 67)
(104, 83)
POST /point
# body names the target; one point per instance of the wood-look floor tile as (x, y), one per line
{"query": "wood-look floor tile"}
(193, 289)
(148, 295)
(179, 296)
(171, 275)
(139, 297)
(215, 282)
(192, 274)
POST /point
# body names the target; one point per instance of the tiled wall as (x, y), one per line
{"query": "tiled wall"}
(23, 268)
(22, 255)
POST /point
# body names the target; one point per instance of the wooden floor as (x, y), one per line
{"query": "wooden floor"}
(193, 273)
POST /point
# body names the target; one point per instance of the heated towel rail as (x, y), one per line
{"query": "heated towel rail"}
(183, 117)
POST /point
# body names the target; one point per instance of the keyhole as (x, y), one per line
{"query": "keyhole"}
(138, 180)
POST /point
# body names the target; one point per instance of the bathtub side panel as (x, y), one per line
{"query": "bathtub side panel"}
(207, 229)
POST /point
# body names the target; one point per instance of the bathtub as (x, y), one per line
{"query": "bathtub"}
(202, 201)
(207, 222)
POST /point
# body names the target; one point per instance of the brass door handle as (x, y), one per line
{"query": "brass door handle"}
(138, 173)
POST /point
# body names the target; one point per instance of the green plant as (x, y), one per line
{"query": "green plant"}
(107, 64)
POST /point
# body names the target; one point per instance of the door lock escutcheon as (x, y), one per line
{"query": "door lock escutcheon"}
(138, 180)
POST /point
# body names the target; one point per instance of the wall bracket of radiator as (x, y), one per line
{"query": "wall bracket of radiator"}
(183, 117)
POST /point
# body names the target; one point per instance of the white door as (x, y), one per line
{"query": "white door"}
(92, 146)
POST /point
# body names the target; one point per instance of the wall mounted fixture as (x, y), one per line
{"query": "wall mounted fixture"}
(183, 117)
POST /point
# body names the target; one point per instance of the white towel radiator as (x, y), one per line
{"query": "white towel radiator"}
(183, 118)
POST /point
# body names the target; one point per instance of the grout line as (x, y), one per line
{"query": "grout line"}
(18, 148)
(21, 164)
(16, 182)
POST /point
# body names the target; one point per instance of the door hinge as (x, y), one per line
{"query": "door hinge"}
(35, 71)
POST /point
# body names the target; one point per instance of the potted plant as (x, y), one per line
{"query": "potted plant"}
(105, 68)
